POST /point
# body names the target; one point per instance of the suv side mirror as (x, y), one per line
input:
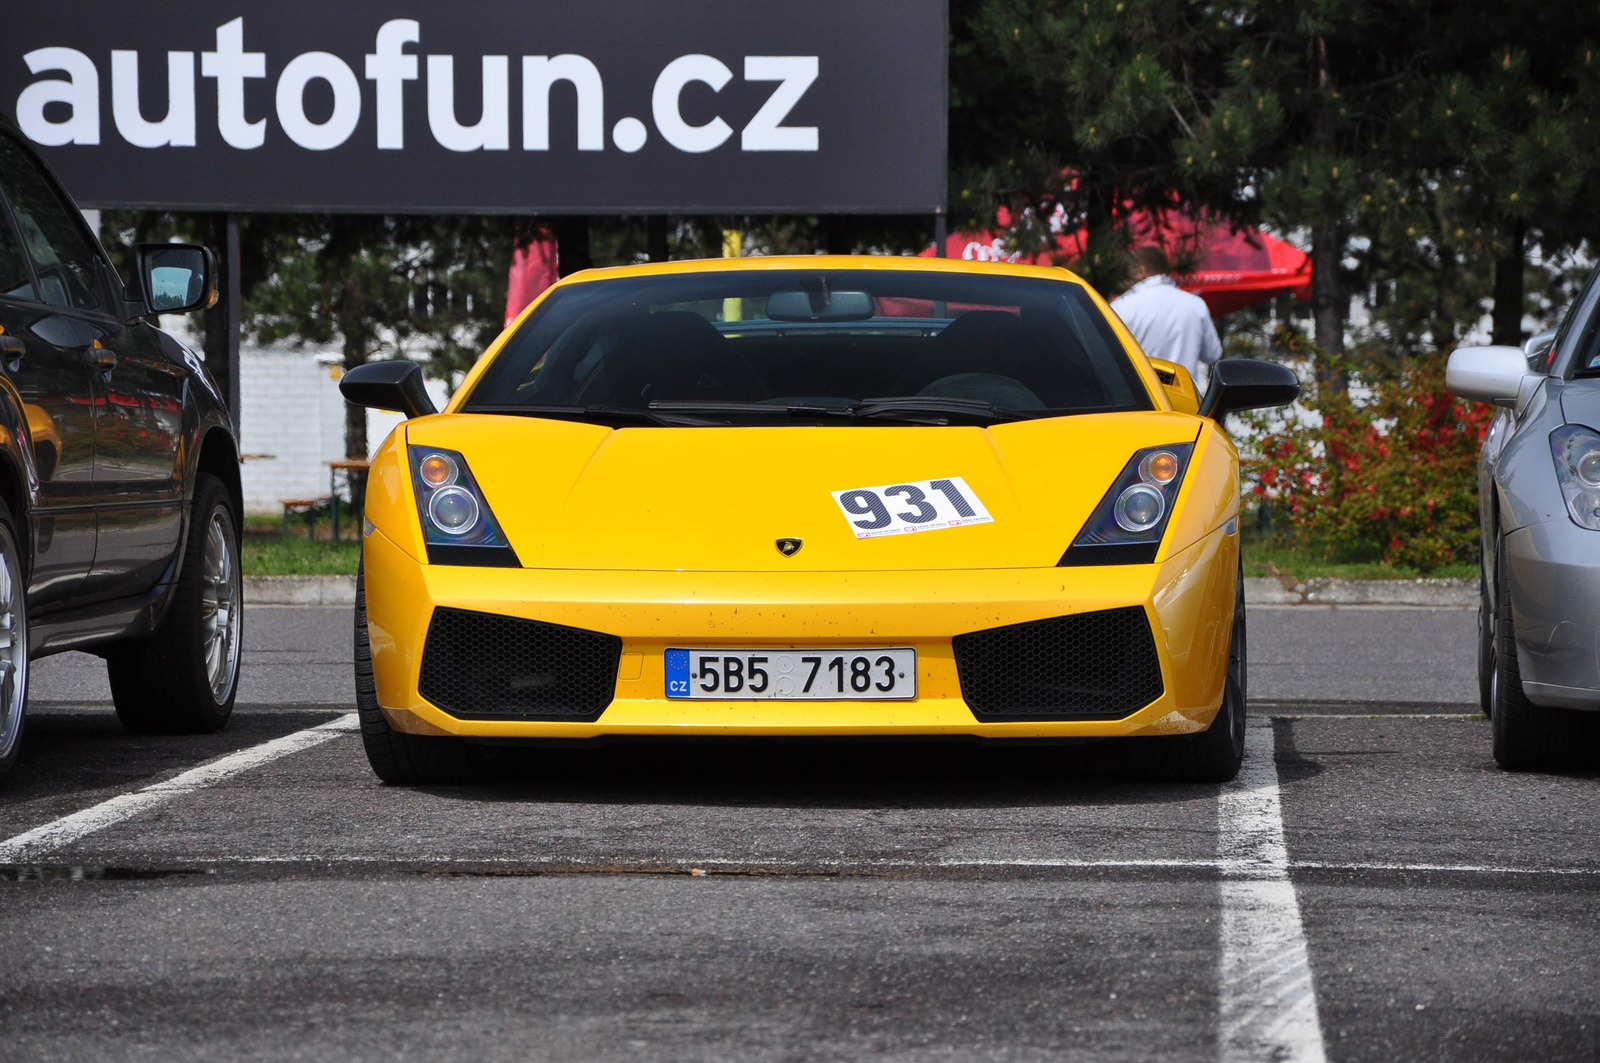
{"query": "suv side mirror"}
(1497, 375)
(1248, 384)
(392, 385)
(175, 278)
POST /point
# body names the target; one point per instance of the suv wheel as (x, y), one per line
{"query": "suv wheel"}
(183, 678)
(13, 645)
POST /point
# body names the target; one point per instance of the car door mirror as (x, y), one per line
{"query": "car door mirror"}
(392, 385)
(1497, 375)
(175, 278)
(1178, 384)
(1248, 384)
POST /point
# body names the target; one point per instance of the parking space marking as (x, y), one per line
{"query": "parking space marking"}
(1268, 1002)
(42, 839)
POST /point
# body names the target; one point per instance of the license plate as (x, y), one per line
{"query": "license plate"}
(809, 675)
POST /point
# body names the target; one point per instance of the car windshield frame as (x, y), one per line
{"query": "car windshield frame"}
(1032, 340)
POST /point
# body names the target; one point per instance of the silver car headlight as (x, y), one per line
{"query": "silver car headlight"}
(1577, 453)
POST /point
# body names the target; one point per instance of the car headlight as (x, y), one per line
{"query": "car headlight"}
(1127, 525)
(457, 525)
(1577, 453)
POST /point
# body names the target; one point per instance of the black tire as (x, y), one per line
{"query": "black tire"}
(168, 683)
(1215, 754)
(397, 757)
(1486, 662)
(1527, 737)
(13, 645)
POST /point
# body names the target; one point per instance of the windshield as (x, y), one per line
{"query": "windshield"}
(812, 346)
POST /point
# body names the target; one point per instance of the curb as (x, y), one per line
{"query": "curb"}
(299, 590)
(1427, 593)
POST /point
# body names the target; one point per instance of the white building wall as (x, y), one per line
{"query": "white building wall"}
(292, 422)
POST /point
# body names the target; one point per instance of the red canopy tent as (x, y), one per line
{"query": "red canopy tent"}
(1235, 268)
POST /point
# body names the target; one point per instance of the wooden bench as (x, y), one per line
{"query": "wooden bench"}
(308, 506)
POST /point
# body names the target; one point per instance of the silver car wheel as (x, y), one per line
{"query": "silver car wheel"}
(219, 605)
(13, 645)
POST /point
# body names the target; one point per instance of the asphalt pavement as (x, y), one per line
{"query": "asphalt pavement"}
(1372, 888)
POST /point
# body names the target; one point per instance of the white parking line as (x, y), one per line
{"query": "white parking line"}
(1269, 1005)
(42, 839)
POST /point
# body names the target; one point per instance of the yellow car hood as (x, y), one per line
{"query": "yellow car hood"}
(582, 496)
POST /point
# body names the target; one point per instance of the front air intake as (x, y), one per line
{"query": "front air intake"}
(482, 666)
(1092, 666)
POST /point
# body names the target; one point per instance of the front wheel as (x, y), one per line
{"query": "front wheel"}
(184, 677)
(13, 646)
(1217, 753)
(397, 757)
(1527, 737)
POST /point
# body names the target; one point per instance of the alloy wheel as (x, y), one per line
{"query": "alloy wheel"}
(13, 645)
(219, 605)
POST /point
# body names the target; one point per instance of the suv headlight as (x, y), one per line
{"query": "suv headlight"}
(1127, 525)
(1577, 453)
(457, 524)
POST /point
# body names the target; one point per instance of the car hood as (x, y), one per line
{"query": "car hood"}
(582, 496)
(1580, 402)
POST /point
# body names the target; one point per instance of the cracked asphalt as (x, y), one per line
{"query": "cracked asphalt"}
(758, 901)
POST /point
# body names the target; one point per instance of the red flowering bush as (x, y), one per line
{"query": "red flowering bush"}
(1392, 478)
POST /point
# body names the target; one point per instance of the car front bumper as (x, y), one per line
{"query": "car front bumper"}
(1188, 601)
(1555, 606)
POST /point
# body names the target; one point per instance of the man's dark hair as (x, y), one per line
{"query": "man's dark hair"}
(1151, 260)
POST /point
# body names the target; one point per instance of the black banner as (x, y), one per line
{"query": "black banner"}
(610, 106)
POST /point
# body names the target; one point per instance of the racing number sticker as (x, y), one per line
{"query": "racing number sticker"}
(914, 506)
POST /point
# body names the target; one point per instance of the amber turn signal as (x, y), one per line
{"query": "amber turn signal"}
(437, 470)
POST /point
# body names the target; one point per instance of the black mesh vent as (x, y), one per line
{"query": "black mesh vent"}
(480, 666)
(1093, 666)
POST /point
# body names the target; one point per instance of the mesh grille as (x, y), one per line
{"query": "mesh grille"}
(1093, 666)
(480, 666)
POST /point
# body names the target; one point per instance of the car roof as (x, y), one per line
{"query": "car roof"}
(907, 263)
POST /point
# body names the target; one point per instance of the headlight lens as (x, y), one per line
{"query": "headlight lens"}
(1576, 450)
(1127, 525)
(458, 526)
(453, 511)
(1139, 508)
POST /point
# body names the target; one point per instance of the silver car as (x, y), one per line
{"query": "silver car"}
(1539, 498)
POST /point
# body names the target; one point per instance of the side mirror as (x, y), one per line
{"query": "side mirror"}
(1497, 375)
(1178, 384)
(175, 278)
(392, 385)
(1248, 384)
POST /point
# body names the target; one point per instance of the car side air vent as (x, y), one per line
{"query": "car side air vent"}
(483, 666)
(1092, 666)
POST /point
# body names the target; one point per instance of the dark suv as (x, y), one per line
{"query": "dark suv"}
(119, 471)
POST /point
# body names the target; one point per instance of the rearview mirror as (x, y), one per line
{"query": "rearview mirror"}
(1497, 375)
(820, 305)
(175, 278)
(1248, 384)
(394, 385)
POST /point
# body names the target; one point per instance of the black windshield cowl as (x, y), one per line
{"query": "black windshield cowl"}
(844, 412)
(613, 416)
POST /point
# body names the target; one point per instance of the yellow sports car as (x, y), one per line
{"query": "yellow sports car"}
(840, 496)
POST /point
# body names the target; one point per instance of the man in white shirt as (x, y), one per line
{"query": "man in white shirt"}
(1167, 321)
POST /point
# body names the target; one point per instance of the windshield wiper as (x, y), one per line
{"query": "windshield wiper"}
(594, 414)
(850, 412)
(901, 406)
